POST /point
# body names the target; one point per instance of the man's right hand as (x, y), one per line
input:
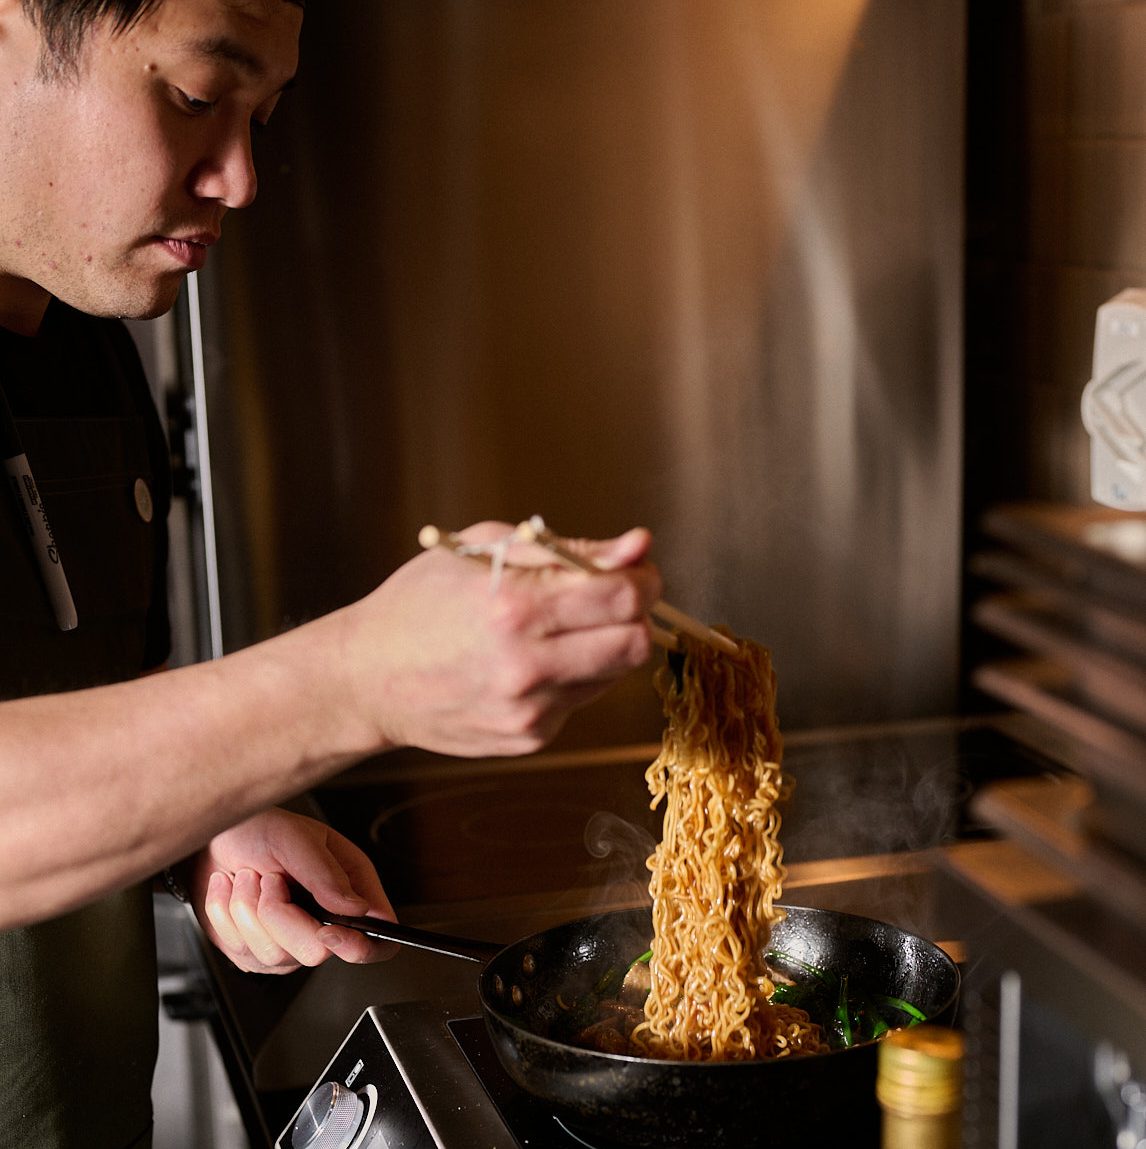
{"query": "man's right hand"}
(441, 657)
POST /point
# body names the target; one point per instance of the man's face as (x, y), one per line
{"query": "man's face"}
(114, 183)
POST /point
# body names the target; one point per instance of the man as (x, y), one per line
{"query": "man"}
(124, 139)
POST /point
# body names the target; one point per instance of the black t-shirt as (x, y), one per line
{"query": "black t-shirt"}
(99, 455)
(78, 1008)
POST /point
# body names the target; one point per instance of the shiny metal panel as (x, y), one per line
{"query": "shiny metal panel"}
(696, 266)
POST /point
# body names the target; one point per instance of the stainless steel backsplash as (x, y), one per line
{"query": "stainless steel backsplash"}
(691, 265)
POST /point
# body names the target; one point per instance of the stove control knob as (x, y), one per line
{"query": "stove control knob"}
(329, 1118)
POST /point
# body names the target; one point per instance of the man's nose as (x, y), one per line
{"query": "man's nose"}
(227, 174)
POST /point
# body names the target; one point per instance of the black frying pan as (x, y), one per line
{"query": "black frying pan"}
(615, 1099)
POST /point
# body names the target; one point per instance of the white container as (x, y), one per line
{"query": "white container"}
(1114, 403)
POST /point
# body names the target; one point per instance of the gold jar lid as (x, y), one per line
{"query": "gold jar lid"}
(921, 1071)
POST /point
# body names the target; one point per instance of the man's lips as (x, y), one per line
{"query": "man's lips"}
(189, 251)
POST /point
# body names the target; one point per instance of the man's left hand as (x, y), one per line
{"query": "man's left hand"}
(240, 891)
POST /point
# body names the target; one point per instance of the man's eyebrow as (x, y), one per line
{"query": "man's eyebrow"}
(224, 48)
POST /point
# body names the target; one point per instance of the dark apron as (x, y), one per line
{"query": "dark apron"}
(78, 995)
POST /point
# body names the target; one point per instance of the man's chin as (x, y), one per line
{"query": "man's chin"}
(152, 312)
(136, 304)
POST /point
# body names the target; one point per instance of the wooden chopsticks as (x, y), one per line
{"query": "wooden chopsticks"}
(535, 531)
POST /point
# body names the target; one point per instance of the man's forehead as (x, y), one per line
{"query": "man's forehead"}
(205, 14)
(251, 35)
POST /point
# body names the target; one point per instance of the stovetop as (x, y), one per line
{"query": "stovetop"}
(413, 1101)
(458, 1097)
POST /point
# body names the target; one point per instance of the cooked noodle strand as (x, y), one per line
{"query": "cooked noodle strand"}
(718, 871)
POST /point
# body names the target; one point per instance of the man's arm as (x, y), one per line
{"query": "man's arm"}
(102, 787)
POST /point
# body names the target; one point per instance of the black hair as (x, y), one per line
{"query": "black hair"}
(64, 24)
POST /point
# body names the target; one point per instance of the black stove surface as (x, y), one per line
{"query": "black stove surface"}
(532, 1125)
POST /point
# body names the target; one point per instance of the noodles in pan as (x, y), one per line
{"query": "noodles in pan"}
(718, 870)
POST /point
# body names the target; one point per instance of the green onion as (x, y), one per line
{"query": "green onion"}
(843, 1021)
(912, 1011)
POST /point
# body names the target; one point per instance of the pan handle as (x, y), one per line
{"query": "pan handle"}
(471, 949)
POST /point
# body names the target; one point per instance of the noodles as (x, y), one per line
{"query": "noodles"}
(718, 870)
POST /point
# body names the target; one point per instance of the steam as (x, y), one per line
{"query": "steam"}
(627, 848)
(885, 799)
(902, 802)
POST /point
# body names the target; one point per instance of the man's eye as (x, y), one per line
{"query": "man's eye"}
(194, 105)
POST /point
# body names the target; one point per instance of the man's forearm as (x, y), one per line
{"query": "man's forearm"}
(101, 787)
